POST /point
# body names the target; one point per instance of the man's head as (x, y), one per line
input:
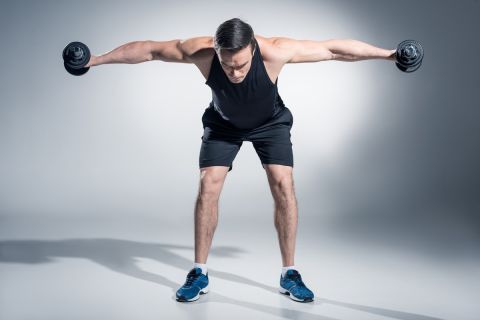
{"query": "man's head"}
(235, 44)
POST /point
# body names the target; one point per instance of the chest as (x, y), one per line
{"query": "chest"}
(204, 65)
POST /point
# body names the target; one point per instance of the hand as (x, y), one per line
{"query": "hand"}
(393, 55)
(92, 61)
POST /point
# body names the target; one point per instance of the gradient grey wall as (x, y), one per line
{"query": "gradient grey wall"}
(379, 155)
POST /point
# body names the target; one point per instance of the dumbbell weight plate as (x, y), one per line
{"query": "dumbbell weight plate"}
(74, 71)
(409, 55)
(409, 69)
(76, 55)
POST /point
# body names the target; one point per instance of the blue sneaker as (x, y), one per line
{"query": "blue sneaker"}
(195, 285)
(293, 286)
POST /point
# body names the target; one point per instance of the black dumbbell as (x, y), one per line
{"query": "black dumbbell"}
(76, 55)
(409, 55)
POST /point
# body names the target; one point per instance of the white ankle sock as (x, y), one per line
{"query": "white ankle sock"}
(284, 269)
(201, 266)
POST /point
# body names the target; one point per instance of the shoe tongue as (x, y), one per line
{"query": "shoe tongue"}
(292, 272)
(196, 271)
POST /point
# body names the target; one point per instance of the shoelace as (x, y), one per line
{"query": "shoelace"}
(297, 278)
(191, 276)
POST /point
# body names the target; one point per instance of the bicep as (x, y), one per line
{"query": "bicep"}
(297, 51)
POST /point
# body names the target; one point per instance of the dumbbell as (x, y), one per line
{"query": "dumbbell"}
(409, 55)
(76, 55)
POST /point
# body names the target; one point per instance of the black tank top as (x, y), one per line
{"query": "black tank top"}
(250, 103)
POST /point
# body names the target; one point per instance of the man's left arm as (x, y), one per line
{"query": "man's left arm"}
(297, 51)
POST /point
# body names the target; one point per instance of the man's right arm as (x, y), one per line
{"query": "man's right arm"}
(141, 51)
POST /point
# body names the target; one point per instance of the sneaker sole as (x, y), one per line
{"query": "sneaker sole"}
(286, 292)
(203, 291)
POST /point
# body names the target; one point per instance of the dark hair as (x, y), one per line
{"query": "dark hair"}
(234, 35)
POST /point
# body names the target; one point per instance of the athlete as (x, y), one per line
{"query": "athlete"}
(242, 70)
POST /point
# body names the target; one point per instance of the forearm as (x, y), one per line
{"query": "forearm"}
(132, 52)
(354, 50)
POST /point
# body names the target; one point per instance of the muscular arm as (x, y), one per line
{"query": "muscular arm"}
(296, 51)
(132, 52)
(176, 50)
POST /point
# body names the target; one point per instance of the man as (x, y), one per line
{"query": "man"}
(242, 70)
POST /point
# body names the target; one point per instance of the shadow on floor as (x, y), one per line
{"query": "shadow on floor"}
(121, 256)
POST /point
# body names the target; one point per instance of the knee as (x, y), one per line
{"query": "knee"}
(283, 187)
(280, 178)
(282, 182)
(210, 186)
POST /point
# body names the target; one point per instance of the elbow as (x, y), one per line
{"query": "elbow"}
(148, 50)
(345, 57)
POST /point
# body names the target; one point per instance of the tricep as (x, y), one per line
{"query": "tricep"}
(179, 50)
(297, 51)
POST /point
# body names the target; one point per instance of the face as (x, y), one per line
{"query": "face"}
(236, 65)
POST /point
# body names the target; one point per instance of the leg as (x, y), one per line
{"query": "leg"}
(217, 152)
(280, 179)
(206, 209)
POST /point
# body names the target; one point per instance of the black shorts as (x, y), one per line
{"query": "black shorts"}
(221, 141)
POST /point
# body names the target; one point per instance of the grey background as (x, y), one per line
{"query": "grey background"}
(383, 159)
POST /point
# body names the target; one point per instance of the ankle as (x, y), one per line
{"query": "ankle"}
(202, 266)
(285, 269)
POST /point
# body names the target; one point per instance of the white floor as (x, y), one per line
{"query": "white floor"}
(102, 270)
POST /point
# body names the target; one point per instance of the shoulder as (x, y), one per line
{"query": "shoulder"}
(199, 51)
(274, 49)
(191, 46)
(197, 47)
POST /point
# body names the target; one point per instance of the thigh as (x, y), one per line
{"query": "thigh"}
(217, 149)
(274, 146)
(272, 141)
